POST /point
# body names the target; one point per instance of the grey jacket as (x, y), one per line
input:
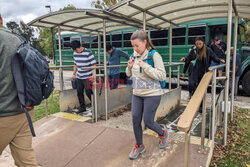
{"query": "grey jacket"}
(9, 102)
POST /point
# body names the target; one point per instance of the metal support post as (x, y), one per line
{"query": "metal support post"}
(203, 126)
(178, 76)
(229, 32)
(170, 56)
(213, 105)
(234, 64)
(95, 96)
(105, 69)
(60, 56)
(187, 138)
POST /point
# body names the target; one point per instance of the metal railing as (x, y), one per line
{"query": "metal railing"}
(187, 117)
(100, 67)
(189, 114)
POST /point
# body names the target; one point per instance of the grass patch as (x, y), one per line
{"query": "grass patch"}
(53, 106)
(236, 152)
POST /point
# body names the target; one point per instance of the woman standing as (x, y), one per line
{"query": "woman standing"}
(146, 89)
(198, 61)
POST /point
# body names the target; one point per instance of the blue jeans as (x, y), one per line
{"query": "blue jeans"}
(114, 80)
(215, 64)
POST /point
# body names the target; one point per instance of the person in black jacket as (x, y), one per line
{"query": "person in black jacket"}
(219, 48)
(197, 63)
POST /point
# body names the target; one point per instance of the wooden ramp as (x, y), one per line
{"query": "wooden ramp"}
(62, 142)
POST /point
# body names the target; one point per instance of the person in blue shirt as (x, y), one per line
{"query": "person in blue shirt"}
(237, 71)
(114, 55)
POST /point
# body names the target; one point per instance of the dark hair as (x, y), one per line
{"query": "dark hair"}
(75, 44)
(201, 53)
(199, 39)
(108, 46)
(142, 35)
(217, 38)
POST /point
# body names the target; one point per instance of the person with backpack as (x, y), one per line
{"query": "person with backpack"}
(114, 55)
(14, 126)
(147, 89)
(219, 48)
(84, 78)
(197, 63)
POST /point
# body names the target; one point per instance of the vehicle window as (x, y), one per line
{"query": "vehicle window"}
(179, 36)
(126, 39)
(159, 38)
(66, 42)
(117, 40)
(194, 32)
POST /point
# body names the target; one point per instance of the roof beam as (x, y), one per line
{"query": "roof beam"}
(235, 9)
(129, 19)
(56, 25)
(150, 13)
(109, 19)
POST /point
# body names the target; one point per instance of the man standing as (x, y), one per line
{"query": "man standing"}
(84, 78)
(219, 47)
(114, 56)
(14, 127)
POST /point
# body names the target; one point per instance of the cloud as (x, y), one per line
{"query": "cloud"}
(27, 10)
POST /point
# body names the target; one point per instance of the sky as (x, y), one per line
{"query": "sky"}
(27, 10)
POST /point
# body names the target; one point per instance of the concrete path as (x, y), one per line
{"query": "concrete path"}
(65, 143)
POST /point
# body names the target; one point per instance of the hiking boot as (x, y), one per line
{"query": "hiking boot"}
(136, 151)
(163, 140)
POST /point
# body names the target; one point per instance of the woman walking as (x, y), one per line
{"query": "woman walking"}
(198, 61)
(147, 90)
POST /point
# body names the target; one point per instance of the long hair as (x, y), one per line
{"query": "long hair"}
(201, 53)
(142, 35)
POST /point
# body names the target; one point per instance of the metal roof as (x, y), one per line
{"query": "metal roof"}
(163, 12)
(84, 21)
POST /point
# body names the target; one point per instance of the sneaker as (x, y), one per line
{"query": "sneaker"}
(136, 151)
(80, 110)
(87, 114)
(163, 140)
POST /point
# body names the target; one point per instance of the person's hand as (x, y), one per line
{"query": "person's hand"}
(92, 78)
(74, 76)
(131, 63)
(183, 75)
(141, 63)
(222, 60)
(183, 59)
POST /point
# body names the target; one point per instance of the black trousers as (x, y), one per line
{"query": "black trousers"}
(83, 84)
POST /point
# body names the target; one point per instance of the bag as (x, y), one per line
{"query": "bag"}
(150, 61)
(73, 83)
(33, 79)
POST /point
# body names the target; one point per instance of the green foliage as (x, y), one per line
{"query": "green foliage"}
(21, 29)
(69, 7)
(236, 152)
(53, 106)
(104, 4)
(46, 40)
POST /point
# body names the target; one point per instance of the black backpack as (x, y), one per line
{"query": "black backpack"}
(33, 79)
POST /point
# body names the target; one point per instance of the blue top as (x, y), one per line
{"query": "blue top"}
(238, 63)
(84, 59)
(114, 59)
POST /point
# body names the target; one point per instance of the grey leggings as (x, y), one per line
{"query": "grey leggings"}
(147, 106)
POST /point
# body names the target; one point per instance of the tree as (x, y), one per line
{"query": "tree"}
(104, 4)
(13, 27)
